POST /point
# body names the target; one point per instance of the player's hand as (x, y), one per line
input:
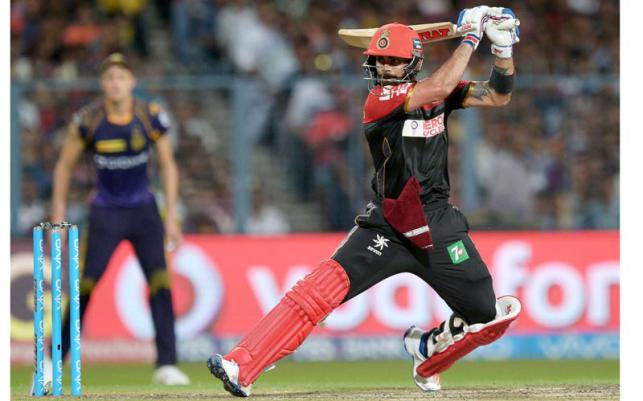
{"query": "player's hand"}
(472, 20)
(173, 234)
(502, 28)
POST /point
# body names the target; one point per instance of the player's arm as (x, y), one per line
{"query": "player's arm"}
(444, 80)
(496, 91)
(71, 151)
(503, 31)
(170, 179)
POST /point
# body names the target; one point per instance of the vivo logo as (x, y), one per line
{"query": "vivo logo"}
(57, 252)
(76, 297)
(75, 257)
(77, 334)
(58, 294)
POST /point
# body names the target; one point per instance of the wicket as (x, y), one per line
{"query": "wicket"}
(56, 313)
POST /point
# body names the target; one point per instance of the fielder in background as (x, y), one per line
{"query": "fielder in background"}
(409, 226)
(120, 131)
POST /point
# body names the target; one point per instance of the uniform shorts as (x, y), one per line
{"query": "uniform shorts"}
(373, 251)
(108, 226)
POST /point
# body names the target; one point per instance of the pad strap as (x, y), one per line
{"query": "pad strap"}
(474, 336)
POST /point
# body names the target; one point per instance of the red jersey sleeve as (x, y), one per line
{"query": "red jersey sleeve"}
(457, 96)
(384, 100)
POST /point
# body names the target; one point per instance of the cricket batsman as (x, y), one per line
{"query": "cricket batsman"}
(120, 132)
(409, 226)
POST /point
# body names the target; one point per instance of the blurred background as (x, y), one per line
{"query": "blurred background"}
(266, 106)
(266, 103)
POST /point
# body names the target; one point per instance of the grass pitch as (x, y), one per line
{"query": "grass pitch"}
(364, 380)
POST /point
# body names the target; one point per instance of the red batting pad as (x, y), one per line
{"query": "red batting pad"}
(439, 362)
(287, 325)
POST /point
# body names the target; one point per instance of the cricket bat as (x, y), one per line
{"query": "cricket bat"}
(428, 33)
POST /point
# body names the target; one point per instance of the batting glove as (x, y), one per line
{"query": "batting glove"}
(502, 28)
(472, 21)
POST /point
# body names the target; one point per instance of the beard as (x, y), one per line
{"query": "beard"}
(390, 79)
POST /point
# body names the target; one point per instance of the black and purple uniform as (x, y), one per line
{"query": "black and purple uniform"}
(407, 145)
(124, 208)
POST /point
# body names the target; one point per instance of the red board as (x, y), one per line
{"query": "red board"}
(568, 282)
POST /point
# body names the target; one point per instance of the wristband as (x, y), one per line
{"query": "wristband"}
(501, 83)
(472, 40)
(502, 51)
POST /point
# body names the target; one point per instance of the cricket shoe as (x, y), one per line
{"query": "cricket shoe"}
(170, 375)
(414, 341)
(47, 378)
(228, 373)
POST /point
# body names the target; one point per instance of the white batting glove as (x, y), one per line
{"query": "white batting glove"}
(472, 20)
(502, 28)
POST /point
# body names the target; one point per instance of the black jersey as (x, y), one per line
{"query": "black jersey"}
(409, 144)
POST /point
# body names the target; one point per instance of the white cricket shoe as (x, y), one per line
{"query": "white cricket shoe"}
(228, 373)
(170, 375)
(47, 377)
(412, 341)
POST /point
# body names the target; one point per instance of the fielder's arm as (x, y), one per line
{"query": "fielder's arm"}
(71, 151)
(496, 91)
(170, 179)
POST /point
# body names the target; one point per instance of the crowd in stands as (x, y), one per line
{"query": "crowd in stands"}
(550, 160)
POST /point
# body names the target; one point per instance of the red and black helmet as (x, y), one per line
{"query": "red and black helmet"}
(396, 40)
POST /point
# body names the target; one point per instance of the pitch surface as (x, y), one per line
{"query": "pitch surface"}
(364, 380)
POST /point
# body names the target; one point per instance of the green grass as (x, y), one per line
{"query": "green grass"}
(331, 379)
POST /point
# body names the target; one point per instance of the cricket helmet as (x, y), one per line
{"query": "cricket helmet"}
(395, 40)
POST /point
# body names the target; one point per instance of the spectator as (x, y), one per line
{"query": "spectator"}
(265, 218)
(554, 124)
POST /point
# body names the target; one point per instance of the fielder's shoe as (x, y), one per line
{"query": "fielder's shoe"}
(47, 377)
(170, 375)
(414, 342)
(228, 373)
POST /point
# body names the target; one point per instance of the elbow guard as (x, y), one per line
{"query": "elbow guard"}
(501, 83)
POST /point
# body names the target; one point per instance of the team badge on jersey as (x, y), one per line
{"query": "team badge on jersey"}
(137, 141)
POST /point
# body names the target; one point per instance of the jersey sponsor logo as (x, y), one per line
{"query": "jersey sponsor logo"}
(457, 252)
(120, 162)
(391, 91)
(381, 242)
(424, 128)
(111, 145)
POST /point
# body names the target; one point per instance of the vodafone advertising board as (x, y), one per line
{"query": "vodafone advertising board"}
(568, 283)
